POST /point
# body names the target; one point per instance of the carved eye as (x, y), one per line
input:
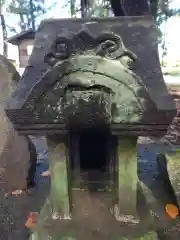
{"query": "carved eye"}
(50, 59)
(61, 49)
(106, 48)
(127, 62)
(130, 63)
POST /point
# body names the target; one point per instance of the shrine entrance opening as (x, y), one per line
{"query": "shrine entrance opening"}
(93, 160)
(93, 150)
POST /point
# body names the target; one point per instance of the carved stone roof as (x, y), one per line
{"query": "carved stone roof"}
(122, 52)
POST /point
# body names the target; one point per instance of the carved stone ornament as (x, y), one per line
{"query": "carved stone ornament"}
(91, 79)
(106, 45)
(92, 70)
(84, 74)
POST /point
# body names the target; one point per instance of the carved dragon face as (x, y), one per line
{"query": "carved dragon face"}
(96, 78)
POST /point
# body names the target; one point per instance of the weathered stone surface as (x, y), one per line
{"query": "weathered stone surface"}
(14, 163)
(76, 69)
(73, 62)
(14, 154)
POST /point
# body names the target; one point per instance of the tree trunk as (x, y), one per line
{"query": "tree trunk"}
(4, 32)
(117, 8)
(154, 7)
(106, 8)
(134, 7)
(22, 24)
(32, 14)
(73, 8)
(84, 8)
(28, 18)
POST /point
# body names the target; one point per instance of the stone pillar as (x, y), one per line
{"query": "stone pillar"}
(127, 174)
(57, 205)
(58, 159)
(126, 155)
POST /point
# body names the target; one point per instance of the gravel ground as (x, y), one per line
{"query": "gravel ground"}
(14, 210)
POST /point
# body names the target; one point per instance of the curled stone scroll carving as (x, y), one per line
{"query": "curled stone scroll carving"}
(107, 45)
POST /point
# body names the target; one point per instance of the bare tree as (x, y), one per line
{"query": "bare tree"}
(3, 26)
(28, 12)
(73, 8)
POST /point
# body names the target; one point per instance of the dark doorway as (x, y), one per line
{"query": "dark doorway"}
(94, 159)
